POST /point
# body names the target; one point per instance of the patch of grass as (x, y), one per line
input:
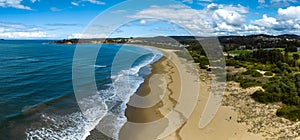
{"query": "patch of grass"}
(240, 52)
(290, 55)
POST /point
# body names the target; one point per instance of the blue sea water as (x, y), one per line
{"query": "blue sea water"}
(36, 93)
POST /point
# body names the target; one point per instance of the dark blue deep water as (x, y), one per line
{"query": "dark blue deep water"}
(36, 92)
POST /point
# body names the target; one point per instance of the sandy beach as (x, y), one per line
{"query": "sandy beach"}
(223, 126)
(239, 117)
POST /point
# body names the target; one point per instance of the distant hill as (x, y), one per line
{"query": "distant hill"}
(289, 36)
(258, 41)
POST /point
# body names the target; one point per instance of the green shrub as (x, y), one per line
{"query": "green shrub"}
(268, 73)
(276, 70)
(256, 74)
(246, 83)
(203, 66)
(265, 97)
(231, 77)
(289, 112)
(259, 66)
(230, 62)
(253, 73)
(203, 62)
(291, 100)
(237, 66)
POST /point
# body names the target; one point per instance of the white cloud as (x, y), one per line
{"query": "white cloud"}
(262, 3)
(143, 22)
(268, 22)
(280, 3)
(233, 16)
(2, 30)
(74, 3)
(291, 12)
(188, 1)
(229, 16)
(33, 1)
(21, 31)
(205, 0)
(275, 3)
(24, 35)
(77, 3)
(252, 28)
(223, 27)
(83, 36)
(289, 17)
(283, 1)
(213, 18)
(175, 13)
(96, 2)
(286, 21)
(204, 3)
(220, 19)
(14, 4)
(54, 9)
(15, 27)
(119, 11)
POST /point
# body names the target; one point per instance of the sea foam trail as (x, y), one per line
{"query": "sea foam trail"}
(75, 126)
(118, 96)
(106, 111)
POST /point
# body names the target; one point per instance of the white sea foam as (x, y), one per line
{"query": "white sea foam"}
(70, 127)
(124, 85)
(105, 112)
(75, 126)
(100, 66)
(33, 59)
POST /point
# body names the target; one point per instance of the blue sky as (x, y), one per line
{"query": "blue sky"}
(53, 19)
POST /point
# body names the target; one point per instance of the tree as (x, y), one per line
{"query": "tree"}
(296, 57)
(286, 56)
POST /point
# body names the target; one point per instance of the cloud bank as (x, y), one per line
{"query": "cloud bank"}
(14, 4)
(220, 19)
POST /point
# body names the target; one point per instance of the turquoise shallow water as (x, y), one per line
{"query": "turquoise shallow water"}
(36, 91)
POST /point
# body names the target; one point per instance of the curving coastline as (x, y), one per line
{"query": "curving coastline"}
(239, 117)
(166, 70)
(221, 127)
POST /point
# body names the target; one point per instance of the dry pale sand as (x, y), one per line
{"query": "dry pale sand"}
(171, 78)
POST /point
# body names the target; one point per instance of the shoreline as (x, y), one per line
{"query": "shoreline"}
(163, 85)
(226, 123)
(142, 91)
(189, 130)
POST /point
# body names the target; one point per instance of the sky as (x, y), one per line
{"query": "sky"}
(65, 19)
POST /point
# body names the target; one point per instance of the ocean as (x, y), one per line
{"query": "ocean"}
(37, 98)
